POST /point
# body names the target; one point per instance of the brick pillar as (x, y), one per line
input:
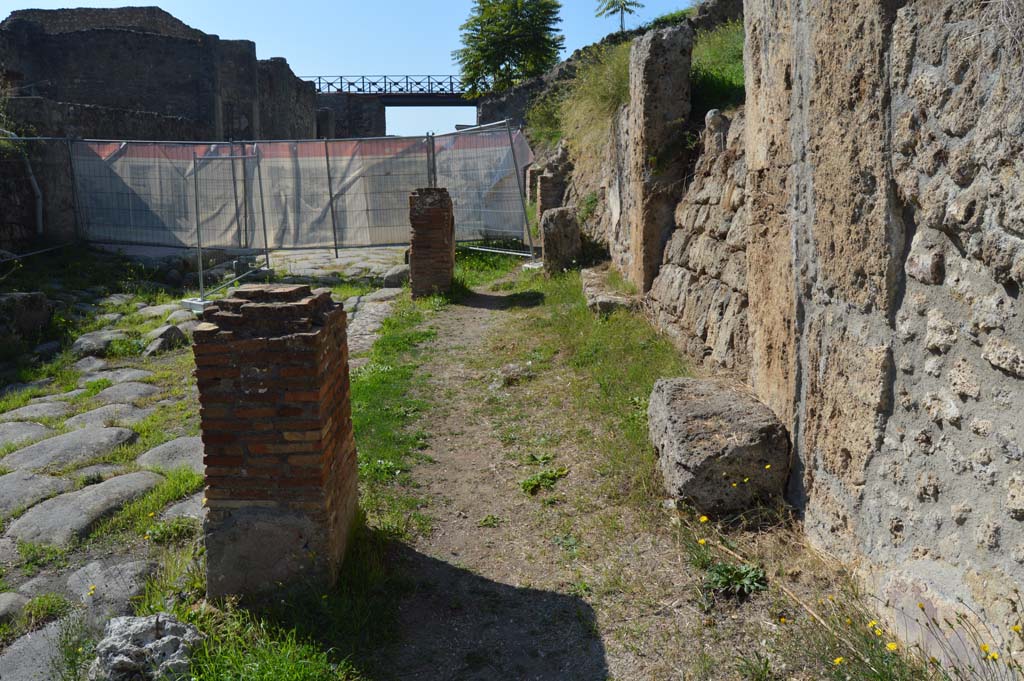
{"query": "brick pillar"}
(432, 250)
(272, 369)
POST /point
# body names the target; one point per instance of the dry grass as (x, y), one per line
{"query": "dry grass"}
(1009, 17)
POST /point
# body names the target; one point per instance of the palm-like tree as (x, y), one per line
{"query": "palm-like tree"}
(622, 7)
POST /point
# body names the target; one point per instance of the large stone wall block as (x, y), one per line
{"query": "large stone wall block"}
(563, 246)
(719, 448)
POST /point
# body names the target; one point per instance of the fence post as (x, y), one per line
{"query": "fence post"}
(199, 229)
(75, 207)
(330, 197)
(234, 190)
(519, 182)
(263, 205)
(431, 161)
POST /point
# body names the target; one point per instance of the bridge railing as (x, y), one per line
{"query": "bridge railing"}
(389, 85)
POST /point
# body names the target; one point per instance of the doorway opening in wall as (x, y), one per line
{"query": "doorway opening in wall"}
(416, 120)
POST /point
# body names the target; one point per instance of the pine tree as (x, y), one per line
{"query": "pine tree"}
(508, 41)
(622, 7)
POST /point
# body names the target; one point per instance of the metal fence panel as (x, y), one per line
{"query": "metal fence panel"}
(308, 194)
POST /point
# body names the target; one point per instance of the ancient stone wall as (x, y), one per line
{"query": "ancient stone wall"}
(700, 294)
(287, 105)
(354, 115)
(883, 151)
(145, 60)
(432, 243)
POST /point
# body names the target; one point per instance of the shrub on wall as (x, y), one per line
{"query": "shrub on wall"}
(599, 90)
(716, 74)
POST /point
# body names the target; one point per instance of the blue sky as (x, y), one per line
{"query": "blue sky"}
(376, 37)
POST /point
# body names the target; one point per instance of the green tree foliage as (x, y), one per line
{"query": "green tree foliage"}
(606, 8)
(508, 41)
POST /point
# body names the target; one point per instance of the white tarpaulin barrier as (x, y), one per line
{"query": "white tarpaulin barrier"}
(298, 194)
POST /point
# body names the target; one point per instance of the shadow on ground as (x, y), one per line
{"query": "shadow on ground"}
(504, 301)
(456, 625)
(399, 614)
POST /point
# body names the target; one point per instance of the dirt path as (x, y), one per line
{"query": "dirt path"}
(471, 612)
(580, 581)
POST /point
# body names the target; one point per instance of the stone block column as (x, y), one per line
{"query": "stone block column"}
(272, 370)
(550, 193)
(432, 248)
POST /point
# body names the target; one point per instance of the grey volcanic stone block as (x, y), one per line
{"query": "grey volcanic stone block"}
(114, 376)
(22, 489)
(126, 392)
(121, 413)
(21, 432)
(153, 647)
(396, 277)
(90, 364)
(10, 605)
(719, 448)
(116, 584)
(41, 410)
(59, 520)
(96, 343)
(33, 657)
(159, 311)
(75, 447)
(192, 507)
(185, 451)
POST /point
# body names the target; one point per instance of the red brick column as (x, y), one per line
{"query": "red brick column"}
(432, 250)
(272, 369)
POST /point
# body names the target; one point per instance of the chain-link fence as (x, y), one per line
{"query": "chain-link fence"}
(297, 194)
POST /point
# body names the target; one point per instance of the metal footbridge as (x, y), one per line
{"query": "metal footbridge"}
(398, 90)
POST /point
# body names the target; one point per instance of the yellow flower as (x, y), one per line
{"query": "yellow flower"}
(892, 646)
(768, 467)
(920, 606)
(146, 537)
(702, 542)
(849, 621)
(1016, 628)
(152, 513)
(703, 518)
(734, 484)
(872, 624)
(993, 656)
(782, 620)
(831, 597)
(746, 480)
(838, 661)
(984, 647)
(878, 632)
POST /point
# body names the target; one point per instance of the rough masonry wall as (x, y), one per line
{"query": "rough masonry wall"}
(354, 115)
(287, 105)
(700, 294)
(884, 265)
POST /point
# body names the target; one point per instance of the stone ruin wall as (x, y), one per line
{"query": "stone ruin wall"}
(700, 294)
(885, 258)
(856, 254)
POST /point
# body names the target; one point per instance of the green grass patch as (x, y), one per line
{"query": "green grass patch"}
(593, 99)
(477, 268)
(347, 289)
(34, 557)
(42, 609)
(383, 411)
(138, 516)
(716, 72)
(545, 479)
(616, 359)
